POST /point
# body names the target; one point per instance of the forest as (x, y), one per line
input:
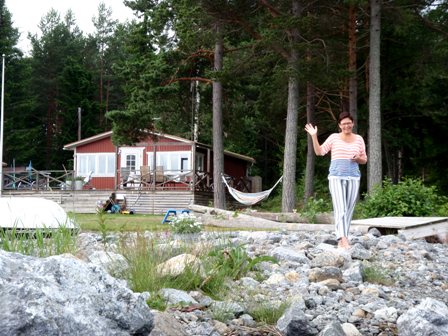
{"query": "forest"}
(246, 75)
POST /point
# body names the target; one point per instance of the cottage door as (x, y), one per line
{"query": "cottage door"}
(131, 158)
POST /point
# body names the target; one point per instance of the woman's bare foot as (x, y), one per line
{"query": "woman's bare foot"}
(344, 243)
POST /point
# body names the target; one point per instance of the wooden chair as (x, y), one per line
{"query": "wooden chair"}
(145, 176)
(124, 176)
(159, 176)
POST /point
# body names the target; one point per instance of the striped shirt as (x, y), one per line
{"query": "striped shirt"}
(342, 153)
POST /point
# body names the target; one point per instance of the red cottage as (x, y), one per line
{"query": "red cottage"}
(161, 162)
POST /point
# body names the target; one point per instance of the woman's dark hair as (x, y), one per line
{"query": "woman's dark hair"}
(344, 115)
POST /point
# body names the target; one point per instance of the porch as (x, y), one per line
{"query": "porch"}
(126, 180)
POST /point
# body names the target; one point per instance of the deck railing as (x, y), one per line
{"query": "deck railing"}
(161, 179)
(32, 179)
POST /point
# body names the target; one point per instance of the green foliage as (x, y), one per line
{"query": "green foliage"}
(156, 301)
(140, 74)
(185, 223)
(377, 275)
(219, 264)
(409, 197)
(222, 313)
(102, 225)
(272, 204)
(39, 242)
(267, 313)
(313, 207)
(234, 261)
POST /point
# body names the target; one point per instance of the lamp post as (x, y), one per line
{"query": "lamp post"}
(1, 124)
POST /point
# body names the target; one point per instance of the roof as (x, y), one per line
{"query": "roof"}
(73, 145)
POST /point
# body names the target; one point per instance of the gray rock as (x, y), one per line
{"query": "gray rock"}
(166, 324)
(114, 263)
(430, 317)
(294, 322)
(327, 259)
(62, 295)
(324, 273)
(283, 253)
(332, 329)
(359, 252)
(176, 296)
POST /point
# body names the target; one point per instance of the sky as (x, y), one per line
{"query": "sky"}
(26, 14)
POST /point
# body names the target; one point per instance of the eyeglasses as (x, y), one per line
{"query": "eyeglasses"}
(347, 124)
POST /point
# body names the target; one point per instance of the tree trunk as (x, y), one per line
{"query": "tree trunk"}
(310, 156)
(219, 197)
(352, 68)
(290, 155)
(374, 170)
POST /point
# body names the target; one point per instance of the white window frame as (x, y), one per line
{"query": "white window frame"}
(93, 160)
(170, 160)
(137, 151)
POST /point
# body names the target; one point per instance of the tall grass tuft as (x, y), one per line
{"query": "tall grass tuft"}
(266, 313)
(219, 265)
(39, 242)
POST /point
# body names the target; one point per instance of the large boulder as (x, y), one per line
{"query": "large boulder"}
(62, 295)
(33, 213)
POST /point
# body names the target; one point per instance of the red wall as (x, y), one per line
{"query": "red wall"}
(100, 146)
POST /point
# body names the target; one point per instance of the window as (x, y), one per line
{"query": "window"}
(130, 162)
(200, 158)
(183, 164)
(131, 158)
(101, 164)
(171, 161)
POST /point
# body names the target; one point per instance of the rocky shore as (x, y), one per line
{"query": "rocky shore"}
(383, 285)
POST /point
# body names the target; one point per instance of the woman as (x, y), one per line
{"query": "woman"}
(348, 150)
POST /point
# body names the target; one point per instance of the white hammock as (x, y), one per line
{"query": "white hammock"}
(250, 198)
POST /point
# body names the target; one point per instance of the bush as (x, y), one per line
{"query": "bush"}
(313, 207)
(407, 198)
(185, 223)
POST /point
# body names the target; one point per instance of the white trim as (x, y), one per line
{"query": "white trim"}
(137, 151)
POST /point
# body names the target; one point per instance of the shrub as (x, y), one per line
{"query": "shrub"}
(235, 262)
(313, 207)
(185, 223)
(407, 198)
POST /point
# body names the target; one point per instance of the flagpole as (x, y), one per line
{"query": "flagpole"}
(2, 111)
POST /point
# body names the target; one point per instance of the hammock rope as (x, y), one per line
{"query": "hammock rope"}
(249, 198)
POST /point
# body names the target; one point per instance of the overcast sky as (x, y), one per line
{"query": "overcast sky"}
(26, 14)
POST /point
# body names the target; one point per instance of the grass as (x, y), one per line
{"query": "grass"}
(119, 222)
(266, 313)
(40, 242)
(134, 223)
(377, 275)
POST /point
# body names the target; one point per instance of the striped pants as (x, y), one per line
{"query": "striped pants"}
(344, 193)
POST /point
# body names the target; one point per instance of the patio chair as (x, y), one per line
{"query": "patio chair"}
(145, 176)
(124, 176)
(159, 176)
(87, 180)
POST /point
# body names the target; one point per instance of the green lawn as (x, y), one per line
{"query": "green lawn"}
(119, 222)
(130, 223)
